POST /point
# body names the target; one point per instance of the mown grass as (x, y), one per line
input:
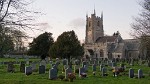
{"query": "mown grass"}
(20, 78)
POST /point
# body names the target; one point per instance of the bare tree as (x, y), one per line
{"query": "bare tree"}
(141, 29)
(16, 14)
(15, 18)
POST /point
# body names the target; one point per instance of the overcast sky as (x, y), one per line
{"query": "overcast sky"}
(66, 15)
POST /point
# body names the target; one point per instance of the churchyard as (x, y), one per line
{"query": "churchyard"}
(57, 71)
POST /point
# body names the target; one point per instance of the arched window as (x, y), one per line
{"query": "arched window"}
(98, 23)
(101, 53)
(89, 23)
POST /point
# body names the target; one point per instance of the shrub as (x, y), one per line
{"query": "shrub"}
(61, 77)
(71, 76)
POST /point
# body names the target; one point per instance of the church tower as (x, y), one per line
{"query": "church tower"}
(94, 28)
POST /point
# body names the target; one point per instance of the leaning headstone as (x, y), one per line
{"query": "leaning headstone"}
(140, 73)
(22, 67)
(94, 67)
(10, 67)
(41, 69)
(68, 70)
(131, 73)
(104, 71)
(53, 73)
(28, 70)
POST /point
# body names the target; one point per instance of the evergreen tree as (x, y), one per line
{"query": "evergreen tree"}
(40, 45)
(66, 46)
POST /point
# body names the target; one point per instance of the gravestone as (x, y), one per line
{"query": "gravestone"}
(17, 60)
(65, 67)
(65, 62)
(122, 66)
(68, 70)
(57, 59)
(104, 71)
(83, 63)
(28, 70)
(55, 67)
(46, 59)
(27, 60)
(81, 71)
(57, 63)
(51, 62)
(41, 69)
(76, 68)
(10, 67)
(22, 67)
(70, 65)
(43, 62)
(114, 64)
(33, 65)
(131, 73)
(94, 67)
(140, 73)
(53, 73)
(101, 66)
(76, 62)
(86, 68)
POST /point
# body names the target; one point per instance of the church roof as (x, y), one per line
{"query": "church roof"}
(116, 47)
(106, 39)
(119, 48)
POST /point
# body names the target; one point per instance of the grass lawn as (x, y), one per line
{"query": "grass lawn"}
(35, 78)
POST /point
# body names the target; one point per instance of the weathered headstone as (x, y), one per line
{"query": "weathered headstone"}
(94, 67)
(83, 63)
(43, 62)
(68, 70)
(114, 64)
(86, 68)
(17, 60)
(52, 73)
(76, 68)
(57, 63)
(41, 69)
(10, 67)
(76, 62)
(22, 67)
(104, 71)
(33, 65)
(27, 60)
(81, 70)
(140, 73)
(101, 66)
(131, 73)
(65, 62)
(28, 70)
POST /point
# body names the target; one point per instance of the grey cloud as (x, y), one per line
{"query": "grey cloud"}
(78, 22)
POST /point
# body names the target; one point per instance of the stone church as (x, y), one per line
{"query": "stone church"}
(97, 45)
